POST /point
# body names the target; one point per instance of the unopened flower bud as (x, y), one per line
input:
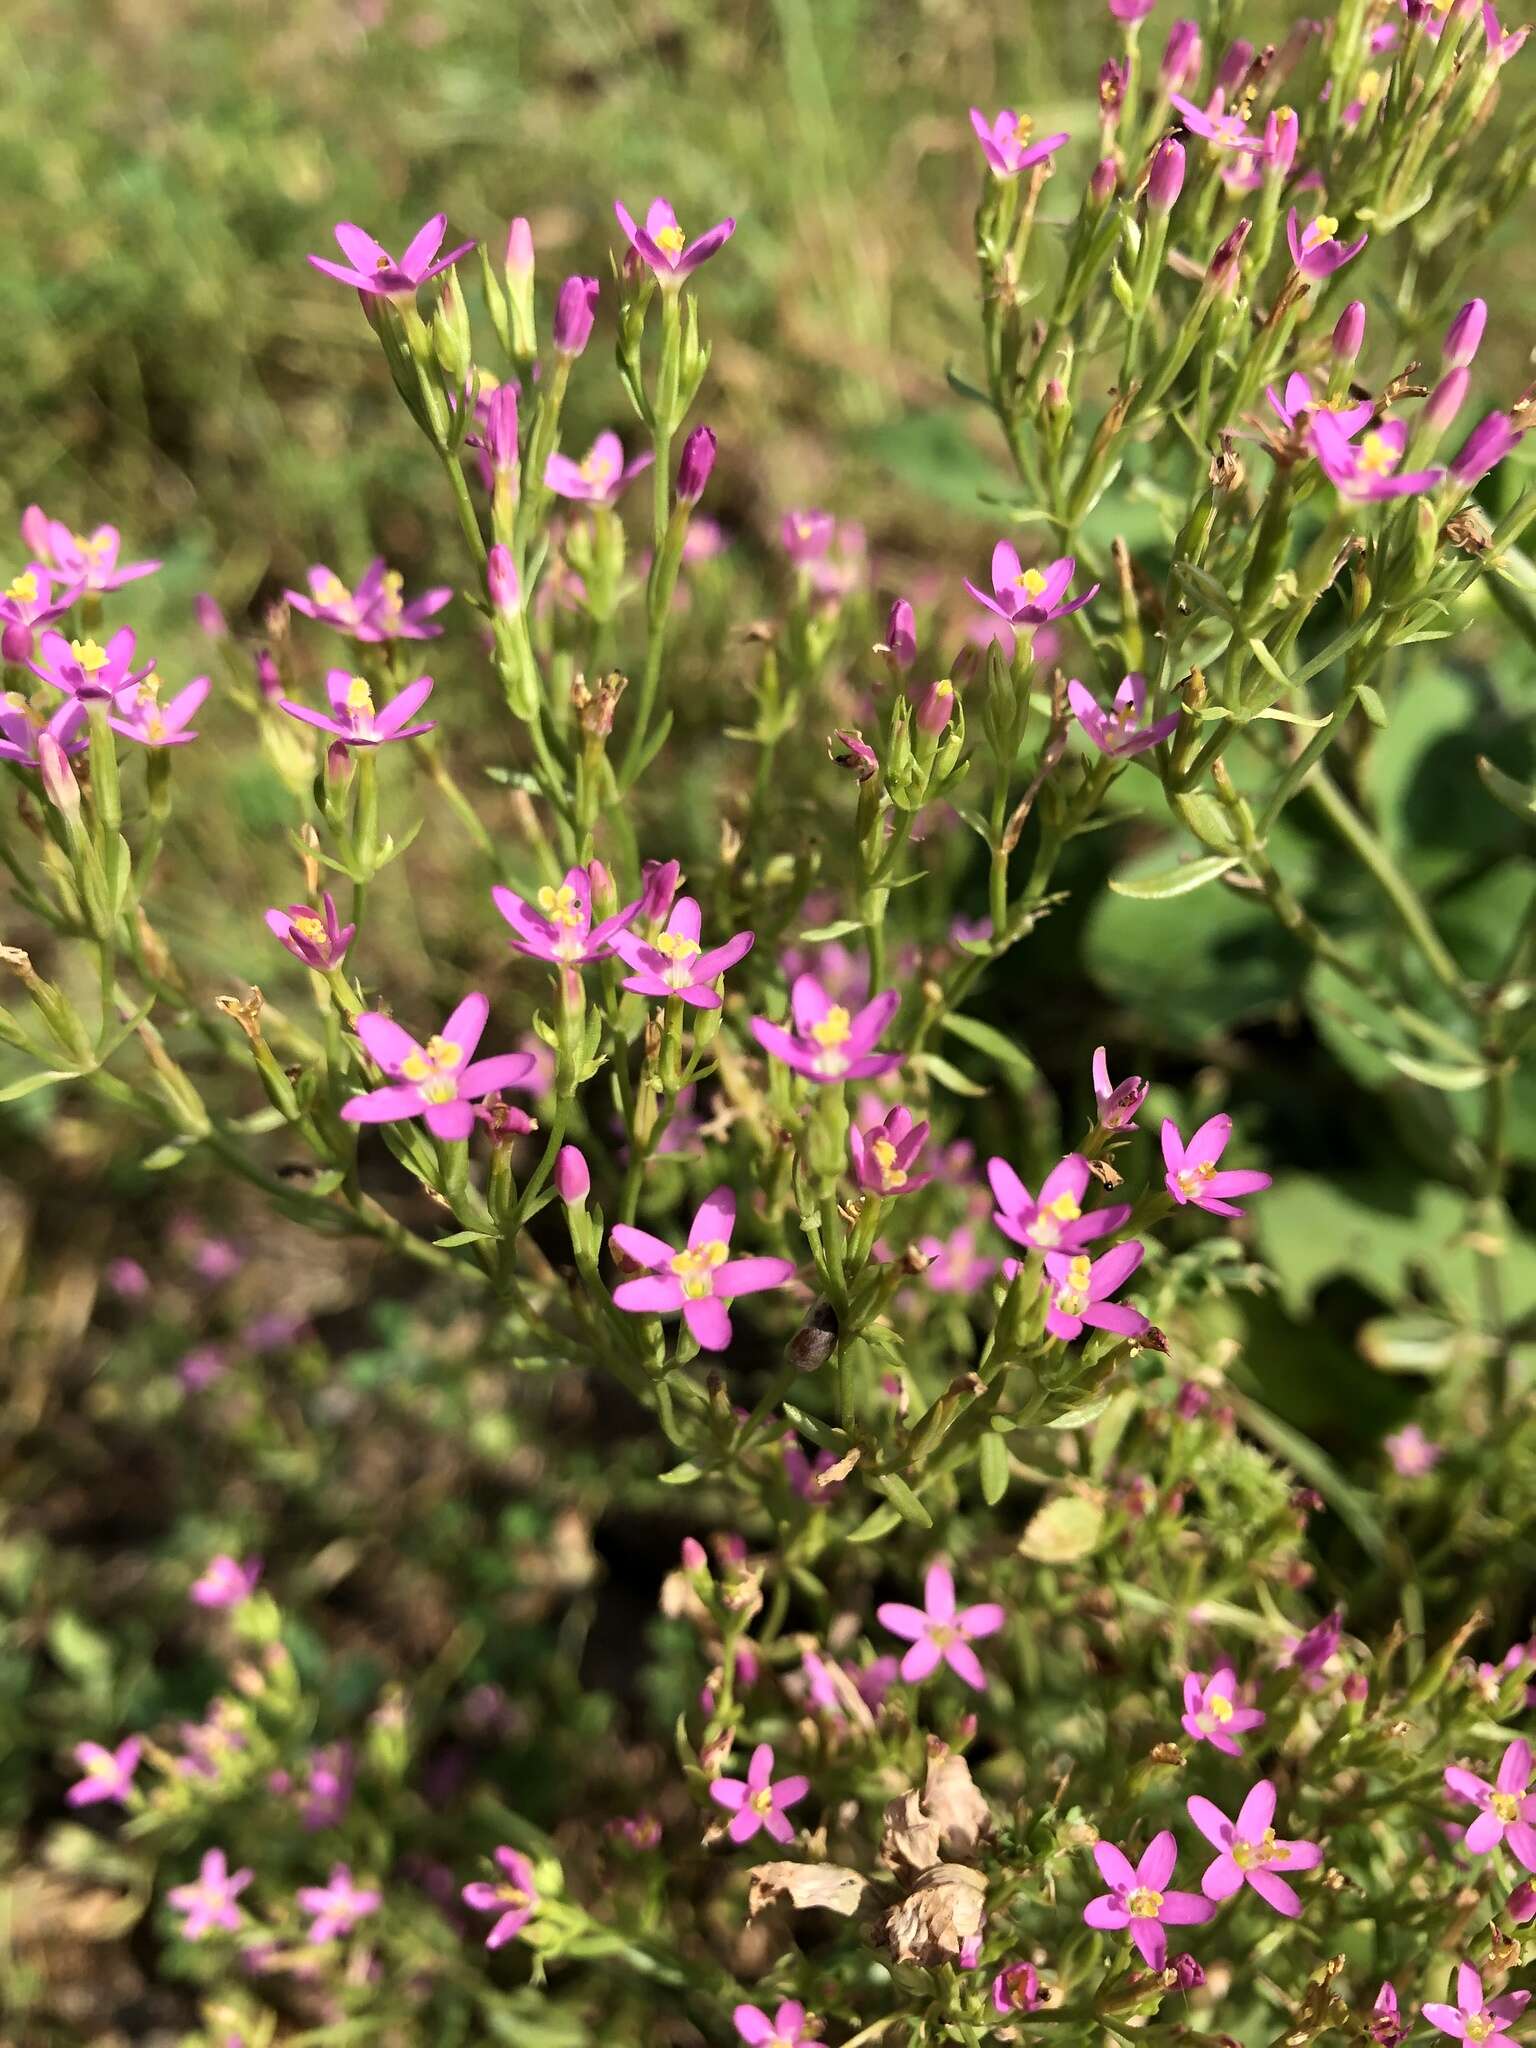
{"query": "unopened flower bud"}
(695, 464)
(1234, 67)
(1282, 131)
(1446, 400)
(16, 643)
(519, 258)
(338, 764)
(1105, 181)
(816, 1339)
(210, 617)
(1188, 1972)
(1487, 446)
(1227, 263)
(695, 1558)
(519, 272)
(574, 312)
(1182, 56)
(501, 580)
(935, 706)
(900, 642)
(573, 1183)
(59, 784)
(1520, 1906)
(1166, 179)
(1349, 333)
(1464, 337)
(659, 881)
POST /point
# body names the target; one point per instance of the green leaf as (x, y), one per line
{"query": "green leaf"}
(1514, 796)
(682, 1475)
(994, 1469)
(1436, 1073)
(877, 1523)
(946, 1075)
(988, 1039)
(1415, 1343)
(1064, 1530)
(903, 1500)
(823, 932)
(822, 1434)
(29, 1084)
(448, 1244)
(1175, 881)
(1372, 706)
(1080, 1416)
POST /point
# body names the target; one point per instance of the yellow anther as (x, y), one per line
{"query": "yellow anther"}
(23, 590)
(835, 1029)
(561, 906)
(360, 696)
(1143, 1903)
(89, 655)
(671, 241)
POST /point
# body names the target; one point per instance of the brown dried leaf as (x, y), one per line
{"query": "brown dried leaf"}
(945, 1822)
(940, 1917)
(804, 1885)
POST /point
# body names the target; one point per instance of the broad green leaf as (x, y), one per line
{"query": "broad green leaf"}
(947, 1076)
(1175, 881)
(988, 1039)
(903, 1500)
(994, 1468)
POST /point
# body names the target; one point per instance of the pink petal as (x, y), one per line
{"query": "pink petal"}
(709, 1322)
(1115, 1867)
(1157, 1861)
(902, 1620)
(639, 1246)
(1105, 1913)
(715, 1221)
(1274, 1891)
(920, 1661)
(1257, 1811)
(939, 1592)
(964, 1662)
(985, 1619)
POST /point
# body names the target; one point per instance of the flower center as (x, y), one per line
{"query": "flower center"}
(1031, 582)
(1259, 1855)
(24, 588)
(1323, 229)
(432, 1065)
(1192, 1179)
(1143, 1903)
(671, 241)
(1219, 1709)
(1479, 2025)
(1377, 455)
(1023, 128)
(672, 946)
(561, 906)
(512, 1896)
(93, 548)
(1505, 1806)
(359, 697)
(836, 1028)
(391, 590)
(885, 1158)
(89, 656)
(762, 1802)
(310, 928)
(696, 1268)
(332, 590)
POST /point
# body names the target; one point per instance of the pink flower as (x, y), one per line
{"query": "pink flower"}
(884, 1154)
(88, 561)
(1056, 1221)
(672, 962)
(376, 610)
(1212, 1713)
(1027, 598)
(1386, 2027)
(1249, 1851)
(1473, 2019)
(225, 1582)
(787, 2029)
(954, 1264)
(108, 1773)
(87, 670)
(438, 1080)
(699, 1280)
(1006, 144)
(1116, 1102)
(318, 938)
(828, 1042)
(31, 599)
(1364, 471)
(938, 1634)
(1501, 47)
(22, 728)
(662, 244)
(1412, 1453)
(353, 717)
(601, 474)
(337, 1905)
(1296, 405)
(372, 270)
(210, 1902)
(1119, 732)
(806, 535)
(513, 1900)
(1138, 1898)
(1506, 1809)
(1016, 1988)
(1316, 250)
(561, 930)
(1080, 1291)
(756, 1801)
(1213, 124)
(139, 715)
(1192, 1174)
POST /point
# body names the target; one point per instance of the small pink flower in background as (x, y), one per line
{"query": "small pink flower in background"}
(1506, 1807)
(1250, 1853)
(1138, 1897)
(1363, 472)
(1385, 2026)
(1192, 1174)
(201, 1366)
(1016, 1988)
(885, 1153)
(337, 1905)
(1213, 124)
(1295, 406)
(225, 1582)
(139, 715)
(1116, 1102)
(353, 716)
(438, 1080)
(1474, 2018)
(673, 963)
(900, 643)
(1027, 598)
(756, 1801)
(1312, 1653)
(829, 1042)
(955, 1266)
(377, 610)
(560, 928)
(513, 1900)
(371, 269)
(1120, 731)
(1316, 250)
(1521, 1903)
(108, 1773)
(328, 1786)
(1056, 1221)
(701, 1279)
(1007, 142)
(1081, 1288)
(317, 937)
(1412, 1453)
(1212, 1713)
(89, 561)
(787, 2029)
(600, 476)
(127, 1279)
(802, 1472)
(663, 245)
(806, 535)
(210, 1902)
(1501, 47)
(939, 1633)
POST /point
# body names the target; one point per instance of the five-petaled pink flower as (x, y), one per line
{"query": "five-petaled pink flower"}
(1056, 1222)
(830, 1042)
(439, 1080)
(1120, 731)
(210, 1902)
(108, 1773)
(1116, 1102)
(1138, 1897)
(353, 716)
(1316, 250)
(337, 1905)
(601, 474)
(86, 560)
(21, 729)
(1366, 470)
(1028, 598)
(1213, 124)
(377, 610)
(1016, 1988)
(87, 670)
(756, 1801)
(512, 1899)
(1080, 1290)
(225, 1582)
(1191, 1171)
(662, 244)
(1507, 1809)
(1474, 2018)
(138, 714)
(560, 929)
(674, 964)
(885, 1153)
(317, 937)
(371, 268)
(701, 1279)
(1007, 143)
(1212, 1712)
(787, 2028)
(1413, 1454)
(1249, 1851)
(938, 1633)
(1294, 406)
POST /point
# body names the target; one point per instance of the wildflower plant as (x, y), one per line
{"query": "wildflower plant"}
(767, 1214)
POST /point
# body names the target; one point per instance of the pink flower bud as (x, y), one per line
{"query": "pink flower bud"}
(1131, 10)
(1349, 333)
(573, 1183)
(59, 784)
(1166, 179)
(1521, 1903)
(575, 310)
(658, 890)
(694, 1558)
(1182, 56)
(501, 580)
(519, 261)
(1105, 181)
(210, 618)
(935, 706)
(1234, 67)
(1464, 337)
(338, 764)
(900, 642)
(1487, 446)
(1446, 400)
(1227, 263)
(16, 643)
(694, 465)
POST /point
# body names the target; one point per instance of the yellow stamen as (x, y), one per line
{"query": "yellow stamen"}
(359, 696)
(24, 588)
(1143, 1903)
(1506, 1806)
(310, 928)
(89, 655)
(695, 1268)
(1219, 1708)
(673, 946)
(1377, 455)
(835, 1029)
(561, 906)
(671, 241)
(885, 1159)
(1031, 582)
